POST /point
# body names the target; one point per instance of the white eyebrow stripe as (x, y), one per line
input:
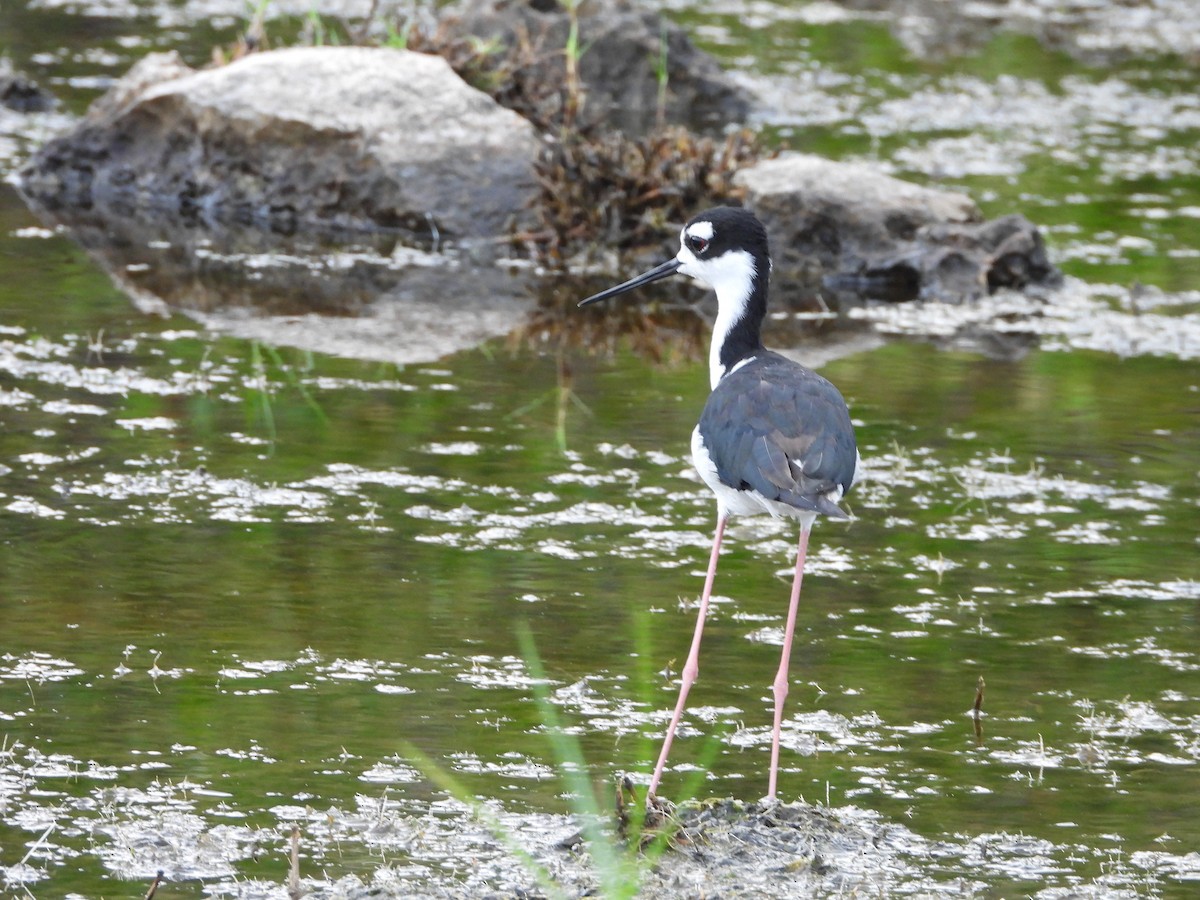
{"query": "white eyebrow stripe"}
(702, 230)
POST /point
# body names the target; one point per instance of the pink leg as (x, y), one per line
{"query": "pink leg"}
(780, 688)
(692, 667)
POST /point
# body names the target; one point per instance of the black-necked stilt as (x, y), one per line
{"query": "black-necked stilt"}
(774, 436)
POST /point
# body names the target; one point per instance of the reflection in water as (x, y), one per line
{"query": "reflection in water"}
(209, 635)
(376, 298)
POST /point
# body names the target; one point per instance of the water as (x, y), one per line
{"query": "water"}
(247, 585)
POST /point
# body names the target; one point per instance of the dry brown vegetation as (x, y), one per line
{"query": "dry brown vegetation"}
(598, 187)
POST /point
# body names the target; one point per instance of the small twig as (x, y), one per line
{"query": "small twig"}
(977, 709)
(154, 885)
(37, 843)
(294, 867)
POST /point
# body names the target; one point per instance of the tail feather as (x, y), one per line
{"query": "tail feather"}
(818, 503)
(828, 508)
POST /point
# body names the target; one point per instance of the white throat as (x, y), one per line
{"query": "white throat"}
(731, 275)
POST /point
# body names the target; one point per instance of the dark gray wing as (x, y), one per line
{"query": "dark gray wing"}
(782, 430)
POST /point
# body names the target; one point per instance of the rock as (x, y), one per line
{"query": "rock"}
(147, 73)
(847, 226)
(623, 49)
(21, 93)
(310, 138)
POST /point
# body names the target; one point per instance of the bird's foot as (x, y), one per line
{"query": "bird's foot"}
(770, 801)
(662, 823)
(659, 817)
(659, 812)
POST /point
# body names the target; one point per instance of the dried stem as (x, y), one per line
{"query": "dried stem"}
(158, 879)
(977, 709)
(294, 891)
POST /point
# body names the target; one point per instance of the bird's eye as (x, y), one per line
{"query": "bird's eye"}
(697, 244)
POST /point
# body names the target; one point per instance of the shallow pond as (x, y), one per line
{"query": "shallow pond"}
(245, 586)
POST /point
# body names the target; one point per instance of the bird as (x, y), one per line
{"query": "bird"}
(774, 437)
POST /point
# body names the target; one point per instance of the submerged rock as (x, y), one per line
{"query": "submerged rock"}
(637, 70)
(847, 226)
(353, 138)
(21, 93)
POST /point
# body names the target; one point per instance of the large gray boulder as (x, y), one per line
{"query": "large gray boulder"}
(848, 226)
(637, 69)
(310, 138)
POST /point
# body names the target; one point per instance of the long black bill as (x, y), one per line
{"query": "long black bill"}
(660, 271)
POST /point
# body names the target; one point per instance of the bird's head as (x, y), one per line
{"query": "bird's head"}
(724, 248)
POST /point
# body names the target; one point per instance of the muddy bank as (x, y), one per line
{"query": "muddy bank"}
(725, 848)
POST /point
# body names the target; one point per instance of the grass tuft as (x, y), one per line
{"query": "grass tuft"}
(623, 847)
